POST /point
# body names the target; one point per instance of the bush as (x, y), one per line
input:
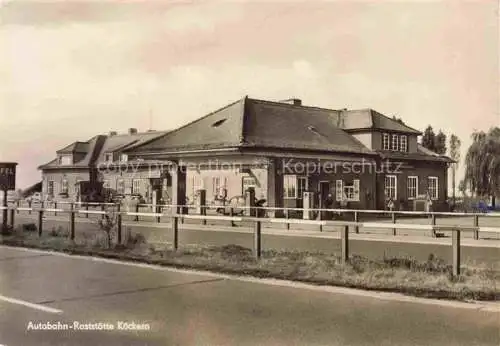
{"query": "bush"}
(6, 230)
(59, 232)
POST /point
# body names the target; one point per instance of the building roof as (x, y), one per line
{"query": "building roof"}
(122, 142)
(252, 123)
(369, 119)
(76, 147)
(97, 146)
(421, 154)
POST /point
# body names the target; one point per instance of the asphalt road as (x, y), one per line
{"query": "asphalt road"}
(196, 309)
(375, 247)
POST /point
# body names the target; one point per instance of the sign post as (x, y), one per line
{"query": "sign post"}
(7, 182)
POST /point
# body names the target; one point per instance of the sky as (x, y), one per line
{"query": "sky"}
(72, 69)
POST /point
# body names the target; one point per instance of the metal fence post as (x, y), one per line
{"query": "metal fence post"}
(72, 222)
(456, 251)
(433, 223)
(476, 224)
(136, 218)
(87, 208)
(158, 211)
(12, 214)
(55, 207)
(102, 209)
(394, 222)
(344, 239)
(40, 222)
(231, 213)
(287, 216)
(119, 224)
(29, 206)
(257, 239)
(18, 205)
(356, 219)
(175, 230)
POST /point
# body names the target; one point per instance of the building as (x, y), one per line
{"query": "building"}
(362, 158)
(101, 158)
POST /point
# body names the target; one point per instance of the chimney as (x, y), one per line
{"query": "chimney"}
(293, 101)
(132, 131)
(112, 133)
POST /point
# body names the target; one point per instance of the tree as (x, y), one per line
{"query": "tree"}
(455, 144)
(482, 171)
(462, 187)
(440, 143)
(429, 138)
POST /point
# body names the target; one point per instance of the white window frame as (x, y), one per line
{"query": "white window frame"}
(64, 186)
(386, 141)
(218, 183)
(403, 143)
(290, 186)
(108, 157)
(106, 184)
(339, 190)
(394, 187)
(67, 162)
(433, 189)
(120, 186)
(136, 186)
(123, 157)
(395, 142)
(50, 188)
(302, 186)
(349, 193)
(410, 186)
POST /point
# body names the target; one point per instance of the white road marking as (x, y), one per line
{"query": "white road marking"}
(30, 305)
(483, 306)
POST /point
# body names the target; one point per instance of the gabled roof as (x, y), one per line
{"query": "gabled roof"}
(93, 145)
(123, 142)
(252, 123)
(369, 119)
(76, 147)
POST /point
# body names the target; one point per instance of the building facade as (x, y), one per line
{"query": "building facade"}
(361, 159)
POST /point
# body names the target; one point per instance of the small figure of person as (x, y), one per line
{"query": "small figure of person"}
(390, 204)
(328, 204)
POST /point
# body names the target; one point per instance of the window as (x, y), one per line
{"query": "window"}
(218, 184)
(339, 190)
(301, 186)
(390, 187)
(196, 184)
(106, 184)
(404, 143)
(386, 143)
(50, 188)
(123, 158)
(120, 186)
(347, 192)
(412, 187)
(136, 186)
(395, 142)
(66, 160)
(290, 186)
(247, 182)
(108, 157)
(64, 186)
(433, 187)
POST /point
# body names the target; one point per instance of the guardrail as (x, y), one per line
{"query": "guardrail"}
(257, 227)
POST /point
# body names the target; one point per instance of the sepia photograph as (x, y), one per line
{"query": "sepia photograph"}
(249, 172)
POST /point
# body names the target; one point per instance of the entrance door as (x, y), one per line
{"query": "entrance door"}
(324, 190)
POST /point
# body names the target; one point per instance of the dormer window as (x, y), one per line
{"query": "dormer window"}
(108, 157)
(395, 142)
(66, 160)
(123, 158)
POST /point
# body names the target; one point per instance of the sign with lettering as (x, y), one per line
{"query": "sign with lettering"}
(8, 175)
